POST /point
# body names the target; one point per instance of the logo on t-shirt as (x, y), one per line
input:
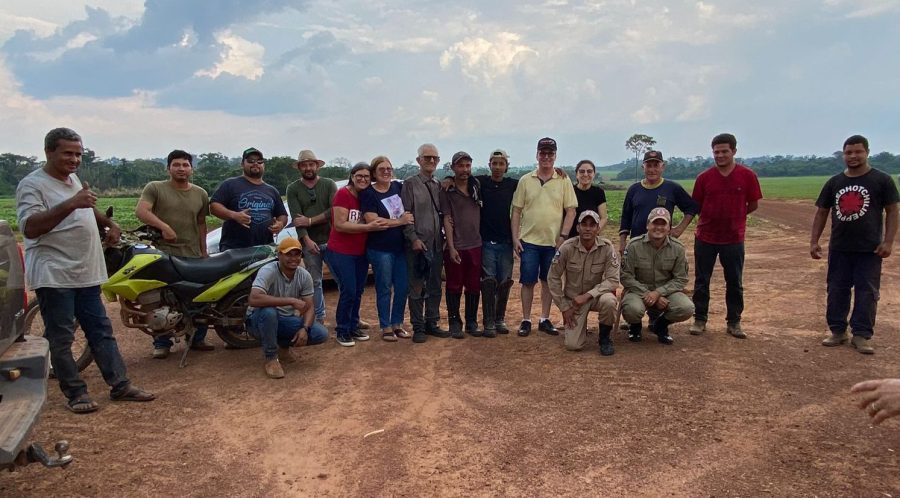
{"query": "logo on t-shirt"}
(259, 204)
(354, 216)
(851, 203)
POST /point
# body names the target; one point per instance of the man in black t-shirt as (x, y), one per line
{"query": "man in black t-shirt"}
(860, 239)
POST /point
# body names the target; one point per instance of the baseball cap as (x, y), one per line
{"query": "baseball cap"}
(546, 143)
(289, 244)
(653, 155)
(589, 213)
(459, 156)
(659, 213)
(251, 151)
(500, 153)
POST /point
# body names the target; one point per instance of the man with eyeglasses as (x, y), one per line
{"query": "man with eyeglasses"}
(420, 195)
(309, 202)
(251, 208)
(538, 226)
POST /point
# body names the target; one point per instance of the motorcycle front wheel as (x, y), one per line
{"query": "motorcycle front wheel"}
(234, 308)
(34, 325)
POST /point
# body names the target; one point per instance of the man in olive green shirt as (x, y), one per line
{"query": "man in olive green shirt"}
(178, 208)
(309, 203)
(654, 273)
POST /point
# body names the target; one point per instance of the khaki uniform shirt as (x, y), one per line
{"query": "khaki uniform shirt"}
(575, 271)
(646, 268)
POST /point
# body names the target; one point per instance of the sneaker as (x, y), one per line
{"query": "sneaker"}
(734, 330)
(161, 353)
(345, 340)
(862, 344)
(202, 346)
(525, 328)
(364, 325)
(273, 369)
(285, 355)
(665, 338)
(546, 326)
(698, 327)
(634, 332)
(359, 335)
(419, 336)
(836, 339)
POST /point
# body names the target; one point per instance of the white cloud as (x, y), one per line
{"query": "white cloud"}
(646, 115)
(483, 60)
(240, 57)
(696, 108)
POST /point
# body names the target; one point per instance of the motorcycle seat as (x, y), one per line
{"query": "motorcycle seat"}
(211, 269)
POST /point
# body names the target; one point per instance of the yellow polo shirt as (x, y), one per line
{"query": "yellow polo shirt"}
(543, 207)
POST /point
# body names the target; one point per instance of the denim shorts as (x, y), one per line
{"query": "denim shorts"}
(536, 262)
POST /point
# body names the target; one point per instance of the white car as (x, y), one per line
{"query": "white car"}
(213, 237)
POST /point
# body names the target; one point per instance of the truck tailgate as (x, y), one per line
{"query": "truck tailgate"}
(23, 398)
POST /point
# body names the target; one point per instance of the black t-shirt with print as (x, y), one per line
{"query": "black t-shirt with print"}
(857, 209)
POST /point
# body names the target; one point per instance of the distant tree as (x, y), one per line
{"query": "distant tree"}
(639, 143)
(335, 172)
(339, 162)
(409, 168)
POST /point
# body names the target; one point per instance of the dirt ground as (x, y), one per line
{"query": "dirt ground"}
(710, 416)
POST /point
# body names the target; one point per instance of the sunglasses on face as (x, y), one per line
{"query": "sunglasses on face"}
(312, 195)
(431, 158)
(255, 161)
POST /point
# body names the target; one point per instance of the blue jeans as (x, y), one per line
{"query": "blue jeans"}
(496, 260)
(313, 264)
(390, 272)
(59, 309)
(860, 271)
(349, 273)
(274, 330)
(535, 263)
(165, 341)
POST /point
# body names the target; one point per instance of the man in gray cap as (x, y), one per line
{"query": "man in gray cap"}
(654, 273)
(584, 277)
(461, 205)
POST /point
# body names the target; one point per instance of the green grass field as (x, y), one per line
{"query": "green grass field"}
(800, 187)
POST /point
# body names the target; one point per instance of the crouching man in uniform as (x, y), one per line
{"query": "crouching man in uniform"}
(654, 273)
(281, 313)
(583, 277)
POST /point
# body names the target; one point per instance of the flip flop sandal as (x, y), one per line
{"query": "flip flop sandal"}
(389, 336)
(402, 333)
(82, 404)
(132, 394)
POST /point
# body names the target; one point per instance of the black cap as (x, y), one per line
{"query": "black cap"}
(251, 151)
(653, 155)
(459, 156)
(547, 143)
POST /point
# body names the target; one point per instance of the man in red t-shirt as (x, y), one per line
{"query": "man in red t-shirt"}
(726, 194)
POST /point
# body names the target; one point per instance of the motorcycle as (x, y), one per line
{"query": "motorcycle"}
(169, 295)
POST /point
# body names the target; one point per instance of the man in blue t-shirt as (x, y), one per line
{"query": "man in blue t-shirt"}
(252, 209)
(862, 202)
(653, 191)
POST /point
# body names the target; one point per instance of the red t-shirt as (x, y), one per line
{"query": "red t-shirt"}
(353, 244)
(723, 204)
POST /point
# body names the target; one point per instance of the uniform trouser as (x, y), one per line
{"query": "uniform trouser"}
(680, 308)
(860, 271)
(606, 306)
(731, 257)
(425, 291)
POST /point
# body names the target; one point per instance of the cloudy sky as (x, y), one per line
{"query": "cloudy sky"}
(359, 78)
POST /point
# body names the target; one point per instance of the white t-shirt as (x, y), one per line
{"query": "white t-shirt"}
(71, 254)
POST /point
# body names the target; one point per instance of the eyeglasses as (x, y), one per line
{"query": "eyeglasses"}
(546, 153)
(361, 177)
(255, 161)
(584, 171)
(431, 158)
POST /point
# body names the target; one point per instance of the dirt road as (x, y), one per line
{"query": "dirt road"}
(711, 415)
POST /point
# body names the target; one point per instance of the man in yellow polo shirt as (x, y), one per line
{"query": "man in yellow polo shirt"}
(543, 209)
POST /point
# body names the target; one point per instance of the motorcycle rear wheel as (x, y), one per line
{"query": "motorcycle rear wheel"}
(34, 325)
(234, 306)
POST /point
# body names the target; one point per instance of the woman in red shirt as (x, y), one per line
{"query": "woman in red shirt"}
(345, 254)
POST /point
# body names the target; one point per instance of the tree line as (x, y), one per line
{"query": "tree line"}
(126, 177)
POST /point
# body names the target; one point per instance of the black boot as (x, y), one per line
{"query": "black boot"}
(634, 332)
(661, 329)
(472, 314)
(503, 289)
(453, 299)
(606, 345)
(488, 306)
